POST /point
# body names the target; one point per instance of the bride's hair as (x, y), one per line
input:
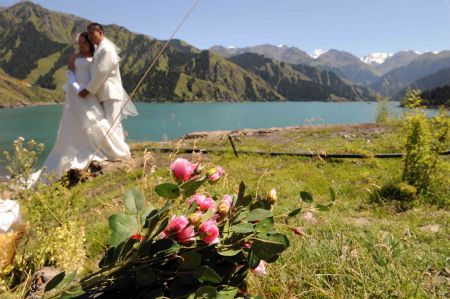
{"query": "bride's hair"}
(85, 35)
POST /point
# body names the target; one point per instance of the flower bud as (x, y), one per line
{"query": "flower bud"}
(247, 244)
(182, 169)
(223, 208)
(272, 196)
(214, 174)
(195, 218)
(138, 237)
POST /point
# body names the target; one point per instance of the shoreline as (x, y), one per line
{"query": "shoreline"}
(34, 104)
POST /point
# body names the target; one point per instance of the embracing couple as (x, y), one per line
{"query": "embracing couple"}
(95, 103)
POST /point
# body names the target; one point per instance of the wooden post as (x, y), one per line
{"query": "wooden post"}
(232, 145)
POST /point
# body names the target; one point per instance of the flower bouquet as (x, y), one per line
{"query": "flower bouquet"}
(194, 246)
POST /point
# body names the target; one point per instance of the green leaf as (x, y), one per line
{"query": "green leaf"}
(123, 226)
(258, 215)
(145, 276)
(169, 191)
(244, 201)
(163, 247)
(134, 200)
(73, 293)
(230, 252)
(144, 213)
(265, 226)
(268, 246)
(241, 192)
(206, 293)
(242, 228)
(206, 274)
(306, 197)
(228, 293)
(253, 260)
(191, 260)
(323, 208)
(294, 212)
(162, 226)
(54, 282)
(332, 194)
(61, 281)
(191, 187)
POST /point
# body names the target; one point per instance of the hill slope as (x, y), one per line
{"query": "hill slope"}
(183, 73)
(16, 93)
(301, 82)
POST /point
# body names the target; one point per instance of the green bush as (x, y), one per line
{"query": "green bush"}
(425, 140)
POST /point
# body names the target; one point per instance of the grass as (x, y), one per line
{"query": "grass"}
(356, 250)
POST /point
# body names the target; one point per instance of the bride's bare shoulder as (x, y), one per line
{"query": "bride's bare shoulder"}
(71, 61)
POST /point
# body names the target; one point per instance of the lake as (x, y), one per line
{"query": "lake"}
(160, 121)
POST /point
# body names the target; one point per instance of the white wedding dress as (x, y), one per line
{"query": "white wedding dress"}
(81, 130)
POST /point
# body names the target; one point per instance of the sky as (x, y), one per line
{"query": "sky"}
(356, 26)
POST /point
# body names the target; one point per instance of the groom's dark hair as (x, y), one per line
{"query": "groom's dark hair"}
(97, 26)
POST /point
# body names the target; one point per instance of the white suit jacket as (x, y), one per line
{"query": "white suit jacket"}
(106, 82)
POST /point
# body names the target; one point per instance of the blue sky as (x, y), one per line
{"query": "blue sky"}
(357, 26)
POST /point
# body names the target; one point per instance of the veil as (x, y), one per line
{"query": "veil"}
(130, 108)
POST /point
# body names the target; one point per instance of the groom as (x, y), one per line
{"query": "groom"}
(106, 82)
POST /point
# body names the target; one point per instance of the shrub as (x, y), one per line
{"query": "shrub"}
(21, 162)
(425, 139)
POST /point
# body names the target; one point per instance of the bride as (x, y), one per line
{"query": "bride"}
(82, 129)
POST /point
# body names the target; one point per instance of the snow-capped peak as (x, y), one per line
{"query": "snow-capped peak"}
(317, 53)
(376, 58)
(231, 47)
(281, 46)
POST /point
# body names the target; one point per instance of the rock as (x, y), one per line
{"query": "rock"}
(40, 280)
(431, 228)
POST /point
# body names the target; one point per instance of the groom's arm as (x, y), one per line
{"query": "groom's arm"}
(103, 65)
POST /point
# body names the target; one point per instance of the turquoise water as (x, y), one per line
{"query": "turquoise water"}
(159, 121)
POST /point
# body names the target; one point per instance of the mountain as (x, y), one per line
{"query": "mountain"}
(347, 66)
(291, 55)
(301, 82)
(376, 59)
(35, 44)
(398, 79)
(342, 63)
(317, 53)
(433, 81)
(16, 93)
(439, 96)
(398, 60)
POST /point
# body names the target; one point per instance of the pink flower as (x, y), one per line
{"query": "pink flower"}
(182, 169)
(215, 174)
(260, 270)
(227, 198)
(209, 232)
(179, 229)
(204, 203)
